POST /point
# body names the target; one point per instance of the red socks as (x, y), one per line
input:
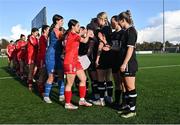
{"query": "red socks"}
(68, 96)
(82, 91)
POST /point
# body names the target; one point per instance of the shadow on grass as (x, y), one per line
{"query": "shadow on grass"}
(54, 95)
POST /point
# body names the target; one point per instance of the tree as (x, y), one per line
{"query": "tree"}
(168, 44)
(158, 45)
(4, 43)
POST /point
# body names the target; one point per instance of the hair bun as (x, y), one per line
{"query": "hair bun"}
(128, 12)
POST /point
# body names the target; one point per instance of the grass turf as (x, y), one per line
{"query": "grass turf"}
(158, 98)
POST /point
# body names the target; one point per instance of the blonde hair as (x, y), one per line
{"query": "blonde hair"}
(102, 15)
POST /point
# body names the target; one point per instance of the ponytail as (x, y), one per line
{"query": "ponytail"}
(127, 16)
(130, 17)
(55, 18)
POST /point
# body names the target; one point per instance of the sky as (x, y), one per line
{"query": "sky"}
(16, 15)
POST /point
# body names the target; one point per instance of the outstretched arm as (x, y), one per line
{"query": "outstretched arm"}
(89, 34)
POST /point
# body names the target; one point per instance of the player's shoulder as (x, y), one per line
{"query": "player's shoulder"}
(42, 37)
(132, 30)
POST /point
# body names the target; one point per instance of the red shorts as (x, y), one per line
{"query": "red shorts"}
(72, 68)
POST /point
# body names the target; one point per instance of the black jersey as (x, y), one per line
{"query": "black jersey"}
(106, 31)
(83, 48)
(115, 54)
(129, 39)
(116, 40)
(105, 57)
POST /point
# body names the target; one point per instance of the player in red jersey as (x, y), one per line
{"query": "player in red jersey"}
(21, 53)
(83, 51)
(15, 61)
(9, 51)
(32, 48)
(72, 66)
(41, 58)
(14, 57)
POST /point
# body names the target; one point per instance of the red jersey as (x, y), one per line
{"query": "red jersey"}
(71, 48)
(21, 50)
(10, 49)
(42, 49)
(32, 48)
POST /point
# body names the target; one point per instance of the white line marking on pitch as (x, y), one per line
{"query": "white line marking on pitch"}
(150, 67)
(154, 67)
(6, 78)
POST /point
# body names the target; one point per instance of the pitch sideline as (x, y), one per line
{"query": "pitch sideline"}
(154, 67)
(141, 68)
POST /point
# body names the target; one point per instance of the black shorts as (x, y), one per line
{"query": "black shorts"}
(105, 60)
(131, 69)
(116, 61)
(92, 66)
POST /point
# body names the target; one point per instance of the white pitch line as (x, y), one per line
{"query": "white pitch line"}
(6, 78)
(149, 67)
(154, 67)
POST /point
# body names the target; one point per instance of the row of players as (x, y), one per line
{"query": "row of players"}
(58, 50)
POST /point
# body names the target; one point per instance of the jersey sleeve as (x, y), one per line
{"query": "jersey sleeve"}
(77, 38)
(132, 37)
(18, 46)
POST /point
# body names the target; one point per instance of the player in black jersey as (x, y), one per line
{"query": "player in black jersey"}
(92, 54)
(103, 59)
(129, 65)
(116, 37)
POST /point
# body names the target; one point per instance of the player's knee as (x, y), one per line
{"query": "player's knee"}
(83, 79)
(68, 86)
(130, 87)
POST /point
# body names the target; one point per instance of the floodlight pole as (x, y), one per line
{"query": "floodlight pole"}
(164, 43)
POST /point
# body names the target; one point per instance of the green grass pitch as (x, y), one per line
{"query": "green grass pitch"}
(158, 98)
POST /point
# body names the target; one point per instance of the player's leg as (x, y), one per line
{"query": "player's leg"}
(41, 80)
(101, 87)
(68, 92)
(118, 91)
(61, 84)
(30, 76)
(109, 85)
(87, 84)
(21, 65)
(82, 88)
(9, 62)
(18, 67)
(132, 95)
(125, 97)
(50, 65)
(48, 87)
(94, 83)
